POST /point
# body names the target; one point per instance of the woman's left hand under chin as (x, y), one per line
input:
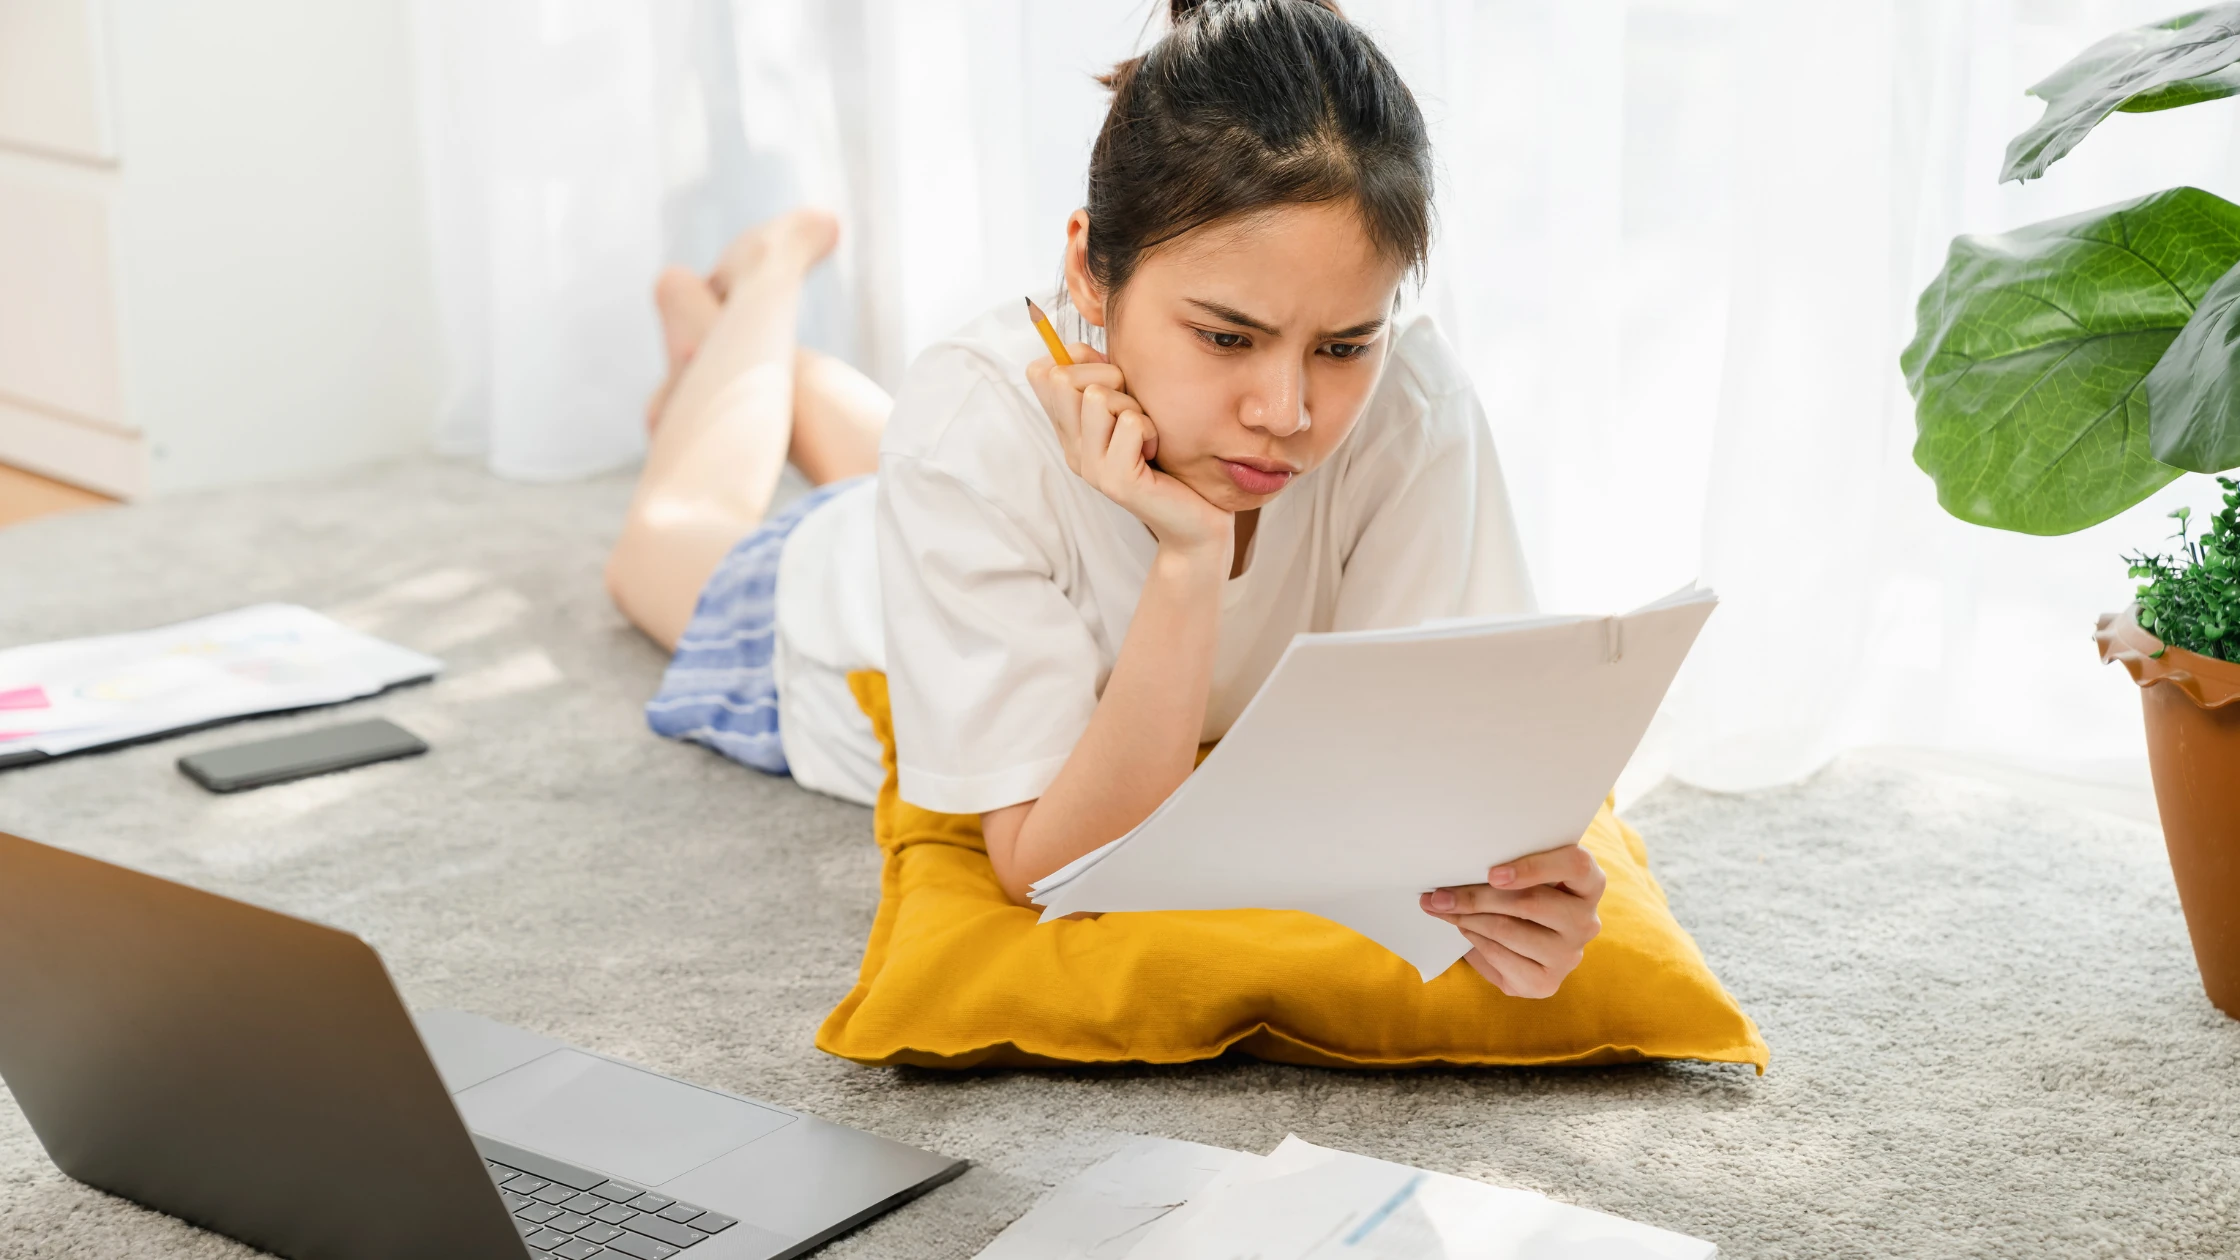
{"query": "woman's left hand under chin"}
(1530, 922)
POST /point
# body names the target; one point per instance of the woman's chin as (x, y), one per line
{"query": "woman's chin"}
(1232, 500)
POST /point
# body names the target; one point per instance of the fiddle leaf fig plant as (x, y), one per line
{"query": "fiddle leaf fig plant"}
(2178, 61)
(2192, 389)
(2032, 348)
(2064, 371)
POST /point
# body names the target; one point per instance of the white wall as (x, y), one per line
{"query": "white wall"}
(279, 314)
(277, 311)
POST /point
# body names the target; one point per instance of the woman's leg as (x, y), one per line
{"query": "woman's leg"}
(688, 310)
(838, 414)
(724, 430)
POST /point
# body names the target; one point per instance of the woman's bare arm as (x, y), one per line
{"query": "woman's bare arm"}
(1142, 741)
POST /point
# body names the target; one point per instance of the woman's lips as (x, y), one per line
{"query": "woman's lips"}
(1254, 480)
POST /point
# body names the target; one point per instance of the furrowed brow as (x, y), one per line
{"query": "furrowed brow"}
(1232, 315)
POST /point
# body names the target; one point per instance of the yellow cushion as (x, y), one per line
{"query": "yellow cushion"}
(957, 976)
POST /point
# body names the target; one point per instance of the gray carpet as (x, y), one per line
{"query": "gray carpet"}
(1988, 1037)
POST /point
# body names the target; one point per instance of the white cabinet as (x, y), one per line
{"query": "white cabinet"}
(52, 64)
(213, 252)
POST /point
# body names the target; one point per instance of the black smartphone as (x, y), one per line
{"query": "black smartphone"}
(270, 761)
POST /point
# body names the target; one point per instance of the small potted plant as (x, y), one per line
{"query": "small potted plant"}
(2180, 642)
(2064, 371)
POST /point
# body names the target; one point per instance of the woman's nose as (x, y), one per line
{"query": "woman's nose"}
(1278, 406)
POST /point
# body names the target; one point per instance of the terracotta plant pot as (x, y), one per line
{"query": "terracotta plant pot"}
(2193, 744)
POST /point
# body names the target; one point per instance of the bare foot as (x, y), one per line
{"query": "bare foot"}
(688, 308)
(796, 240)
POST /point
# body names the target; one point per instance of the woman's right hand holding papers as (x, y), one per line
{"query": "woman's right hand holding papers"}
(1529, 923)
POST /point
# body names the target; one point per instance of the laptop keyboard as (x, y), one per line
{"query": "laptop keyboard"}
(576, 1214)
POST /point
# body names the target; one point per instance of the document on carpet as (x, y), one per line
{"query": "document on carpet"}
(1159, 1199)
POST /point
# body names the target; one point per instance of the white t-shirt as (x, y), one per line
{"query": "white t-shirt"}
(1006, 583)
(828, 626)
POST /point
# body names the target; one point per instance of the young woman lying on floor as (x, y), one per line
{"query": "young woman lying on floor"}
(1087, 571)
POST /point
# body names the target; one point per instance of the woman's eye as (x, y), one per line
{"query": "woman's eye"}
(1345, 349)
(1224, 340)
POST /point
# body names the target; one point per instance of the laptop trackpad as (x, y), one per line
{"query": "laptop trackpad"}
(619, 1120)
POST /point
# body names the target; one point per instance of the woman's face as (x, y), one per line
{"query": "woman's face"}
(1253, 343)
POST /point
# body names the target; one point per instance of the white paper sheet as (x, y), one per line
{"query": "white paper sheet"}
(1376, 765)
(1103, 1213)
(1306, 1202)
(1159, 1199)
(82, 693)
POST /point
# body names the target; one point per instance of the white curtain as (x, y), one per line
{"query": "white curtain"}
(1679, 246)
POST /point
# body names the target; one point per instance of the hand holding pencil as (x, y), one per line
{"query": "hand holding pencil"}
(1110, 442)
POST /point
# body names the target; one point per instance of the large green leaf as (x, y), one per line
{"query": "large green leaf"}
(2209, 87)
(2193, 393)
(2171, 63)
(2029, 352)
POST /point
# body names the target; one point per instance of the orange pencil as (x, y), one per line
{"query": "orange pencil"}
(1049, 335)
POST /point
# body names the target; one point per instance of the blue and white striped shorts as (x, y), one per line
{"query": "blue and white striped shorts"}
(720, 689)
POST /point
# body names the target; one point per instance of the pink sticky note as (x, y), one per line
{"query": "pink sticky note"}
(24, 698)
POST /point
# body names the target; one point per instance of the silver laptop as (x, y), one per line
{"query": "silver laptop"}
(257, 1074)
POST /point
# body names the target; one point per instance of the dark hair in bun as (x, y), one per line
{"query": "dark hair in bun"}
(1248, 104)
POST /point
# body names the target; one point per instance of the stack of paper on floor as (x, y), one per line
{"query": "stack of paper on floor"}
(1165, 1200)
(76, 694)
(1376, 765)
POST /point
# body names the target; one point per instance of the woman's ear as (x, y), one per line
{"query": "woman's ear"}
(1087, 298)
